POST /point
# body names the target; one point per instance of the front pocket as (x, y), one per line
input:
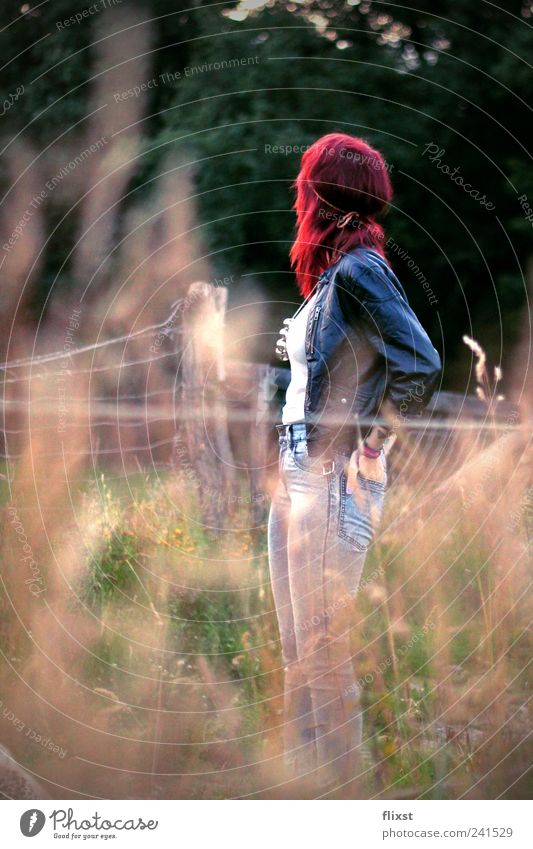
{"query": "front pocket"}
(301, 459)
(360, 513)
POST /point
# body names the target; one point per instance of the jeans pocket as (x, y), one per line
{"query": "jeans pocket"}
(360, 512)
(301, 459)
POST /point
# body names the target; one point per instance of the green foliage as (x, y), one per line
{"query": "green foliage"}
(113, 569)
(104, 664)
(205, 624)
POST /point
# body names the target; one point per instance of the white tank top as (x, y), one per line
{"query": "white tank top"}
(293, 410)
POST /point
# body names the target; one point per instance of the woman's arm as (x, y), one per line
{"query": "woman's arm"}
(413, 366)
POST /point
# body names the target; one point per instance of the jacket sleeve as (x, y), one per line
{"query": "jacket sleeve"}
(412, 364)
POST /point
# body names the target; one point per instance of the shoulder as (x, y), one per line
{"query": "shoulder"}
(365, 274)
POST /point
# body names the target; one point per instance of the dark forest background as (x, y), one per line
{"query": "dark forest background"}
(452, 74)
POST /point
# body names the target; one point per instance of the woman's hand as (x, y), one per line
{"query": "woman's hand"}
(368, 467)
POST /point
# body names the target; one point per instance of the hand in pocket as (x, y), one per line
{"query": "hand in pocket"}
(365, 484)
(371, 469)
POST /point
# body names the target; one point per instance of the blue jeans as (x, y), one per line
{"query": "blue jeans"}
(318, 536)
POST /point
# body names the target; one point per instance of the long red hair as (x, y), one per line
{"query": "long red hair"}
(342, 185)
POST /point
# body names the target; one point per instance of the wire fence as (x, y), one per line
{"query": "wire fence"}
(143, 425)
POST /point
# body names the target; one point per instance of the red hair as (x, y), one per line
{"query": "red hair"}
(342, 186)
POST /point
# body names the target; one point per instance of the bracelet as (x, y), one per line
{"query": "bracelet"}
(371, 453)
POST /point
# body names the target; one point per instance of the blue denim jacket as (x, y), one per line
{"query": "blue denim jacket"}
(367, 353)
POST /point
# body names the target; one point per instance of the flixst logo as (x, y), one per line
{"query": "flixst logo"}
(32, 822)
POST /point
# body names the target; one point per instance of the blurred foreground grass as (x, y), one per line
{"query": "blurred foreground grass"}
(168, 672)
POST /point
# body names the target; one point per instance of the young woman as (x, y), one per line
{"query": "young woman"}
(361, 364)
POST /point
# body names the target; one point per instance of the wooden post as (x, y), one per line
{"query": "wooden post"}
(202, 447)
(259, 440)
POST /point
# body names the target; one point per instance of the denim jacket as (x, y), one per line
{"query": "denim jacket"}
(367, 354)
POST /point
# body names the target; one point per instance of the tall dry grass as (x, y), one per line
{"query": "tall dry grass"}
(148, 651)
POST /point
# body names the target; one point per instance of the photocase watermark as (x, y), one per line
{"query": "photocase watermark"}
(223, 281)
(165, 332)
(435, 154)
(64, 819)
(344, 153)
(49, 187)
(479, 490)
(526, 208)
(329, 214)
(402, 415)
(61, 380)
(169, 77)
(65, 825)
(369, 677)
(286, 149)
(29, 732)
(233, 498)
(11, 99)
(36, 583)
(338, 604)
(181, 452)
(401, 253)
(525, 510)
(88, 12)
(183, 305)
(182, 455)
(32, 822)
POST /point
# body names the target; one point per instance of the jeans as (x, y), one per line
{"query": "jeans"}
(318, 536)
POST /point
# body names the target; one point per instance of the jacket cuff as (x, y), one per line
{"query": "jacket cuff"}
(401, 412)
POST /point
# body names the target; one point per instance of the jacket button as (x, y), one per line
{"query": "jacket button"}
(343, 401)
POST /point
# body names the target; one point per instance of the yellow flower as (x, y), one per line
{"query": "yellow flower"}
(389, 748)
